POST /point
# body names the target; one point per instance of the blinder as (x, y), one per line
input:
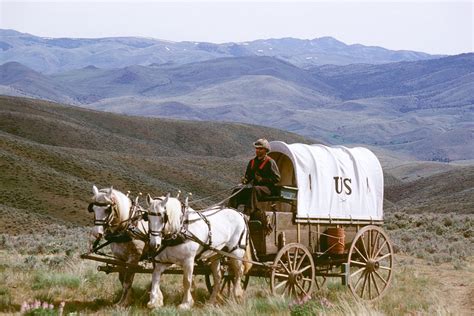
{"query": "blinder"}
(101, 222)
(91, 205)
(165, 220)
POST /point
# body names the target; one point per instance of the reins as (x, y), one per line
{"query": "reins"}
(241, 187)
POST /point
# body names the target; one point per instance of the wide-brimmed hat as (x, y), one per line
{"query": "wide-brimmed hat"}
(262, 143)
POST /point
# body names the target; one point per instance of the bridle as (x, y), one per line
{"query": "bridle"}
(160, 233)
(156, 233)
(110, 209)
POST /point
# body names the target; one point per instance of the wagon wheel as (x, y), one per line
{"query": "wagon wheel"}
(370, 263)
(293, 272)
(226, 282)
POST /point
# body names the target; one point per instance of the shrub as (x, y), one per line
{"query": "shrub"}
(426, 234)
(47, 280)
(5, 297)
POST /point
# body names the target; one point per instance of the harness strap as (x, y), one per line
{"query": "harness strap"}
(262, 164)
(209, 231)
(97, 248)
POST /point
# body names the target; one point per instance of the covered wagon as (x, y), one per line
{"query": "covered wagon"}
(326, 214)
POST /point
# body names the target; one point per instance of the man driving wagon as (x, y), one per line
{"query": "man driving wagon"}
(261, 176)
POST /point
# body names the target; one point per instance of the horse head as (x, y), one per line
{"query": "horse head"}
(164, 218)
(109, 207)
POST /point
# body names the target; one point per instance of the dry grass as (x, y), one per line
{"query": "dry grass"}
(55, 275)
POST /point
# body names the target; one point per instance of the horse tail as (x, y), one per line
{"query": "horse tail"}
(247, 259)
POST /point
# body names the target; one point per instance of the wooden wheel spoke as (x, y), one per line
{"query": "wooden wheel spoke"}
(301, 289)
(380, 249)
(358, 281)
(385, 268)
(304, 269)
(295, 259)
(307, 279)
(360, 253)
(363, 285)
(358, 263)
(369, 244)
(364, 247)
(375, 283)
(380, 277)
(358, 271)
(288, 259)
(284, 266)
(291, 288)
(374, 245)
(300, 262)
(369, 282)
(384, 256)
(282, 276)
(281, 284)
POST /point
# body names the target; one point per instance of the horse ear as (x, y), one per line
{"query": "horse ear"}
(148, 199)
(165, 200)
(110, 195)
(95, 191)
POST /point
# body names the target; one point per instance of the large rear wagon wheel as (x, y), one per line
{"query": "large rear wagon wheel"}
(370, 263)
(293, 272)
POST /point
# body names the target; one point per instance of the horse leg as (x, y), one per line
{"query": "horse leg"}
(236, 266)
(188, 268)
(156, 297)
(126, 279)
(216, 275)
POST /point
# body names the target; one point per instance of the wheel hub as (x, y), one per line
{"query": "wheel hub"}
(372, 265)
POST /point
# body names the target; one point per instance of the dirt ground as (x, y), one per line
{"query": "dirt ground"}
(455, 286)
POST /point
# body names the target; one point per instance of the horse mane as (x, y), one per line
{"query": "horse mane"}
(123, 204)
(121, 201)
(173, 210)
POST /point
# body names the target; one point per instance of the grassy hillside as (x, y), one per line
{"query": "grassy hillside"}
(51, 155)
(449, 191)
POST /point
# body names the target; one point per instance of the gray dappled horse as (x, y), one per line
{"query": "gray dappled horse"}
(113, 216)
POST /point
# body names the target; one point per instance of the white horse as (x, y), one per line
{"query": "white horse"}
(223, 229)
(113, 215)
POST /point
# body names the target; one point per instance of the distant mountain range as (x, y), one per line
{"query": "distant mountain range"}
(54, 55)
(421, 106)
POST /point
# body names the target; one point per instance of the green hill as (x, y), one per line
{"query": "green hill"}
(51, 155)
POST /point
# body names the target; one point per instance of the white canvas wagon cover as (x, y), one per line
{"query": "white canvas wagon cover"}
(333, 182)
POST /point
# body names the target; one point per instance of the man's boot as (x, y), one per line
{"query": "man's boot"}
(263, 218)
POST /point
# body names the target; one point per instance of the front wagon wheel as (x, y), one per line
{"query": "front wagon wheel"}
(293, 272)
(370, 263)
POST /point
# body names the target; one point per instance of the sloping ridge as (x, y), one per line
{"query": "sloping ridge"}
(52, 154)
(450, 191)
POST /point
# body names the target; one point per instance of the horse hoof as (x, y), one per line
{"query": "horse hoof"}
(151, 305)
(184, 306)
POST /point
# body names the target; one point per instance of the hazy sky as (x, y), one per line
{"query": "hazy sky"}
(440, 27)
